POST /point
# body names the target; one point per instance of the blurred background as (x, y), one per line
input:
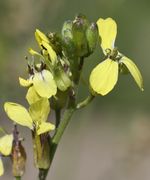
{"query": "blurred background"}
(109, 139)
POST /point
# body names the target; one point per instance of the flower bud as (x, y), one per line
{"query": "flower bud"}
(67, 38)
(61, 78)
(79, 27)
(92, 36)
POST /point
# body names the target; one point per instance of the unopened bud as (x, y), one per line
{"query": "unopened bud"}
(61, 78)
(79, 37)
(67, 38)
(92, 36)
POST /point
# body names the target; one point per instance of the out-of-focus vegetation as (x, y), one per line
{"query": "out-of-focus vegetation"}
(110, 140)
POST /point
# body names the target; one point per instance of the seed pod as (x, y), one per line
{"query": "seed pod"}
(41, 151)
(19, 159)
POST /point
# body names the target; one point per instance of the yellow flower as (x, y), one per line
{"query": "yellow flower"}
(35, 118)
(104, 76)
(6, 142)
(43, 82)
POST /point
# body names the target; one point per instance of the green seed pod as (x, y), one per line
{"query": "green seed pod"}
(41, 151)
(92, 37)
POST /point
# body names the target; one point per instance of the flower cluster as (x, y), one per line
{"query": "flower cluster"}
(53, 79)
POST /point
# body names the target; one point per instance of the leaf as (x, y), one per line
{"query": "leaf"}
(107, 31)
(18, 114)
(6, 144)
(44, 84)
(1, 167)
(104, 77)
(45, 127)
(39, 110)
(32, 95)
(134, 71)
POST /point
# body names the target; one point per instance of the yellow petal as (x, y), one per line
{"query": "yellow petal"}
(50, 50)
(45, 127)
(1, 167)
(18, 114)
(107, 31)
(32, 52)
(104, 77)
(24, 82)
(39, 110)
(32, 95)
(6, 144)
(44, 84)
(40, 36)
(134, 71)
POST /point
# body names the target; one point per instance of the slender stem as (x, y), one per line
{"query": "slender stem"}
(85, 102)
(62, 126)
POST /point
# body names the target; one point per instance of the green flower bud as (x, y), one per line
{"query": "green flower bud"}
(79, 27)
(61, 78)
(92, 36)
(67, 38)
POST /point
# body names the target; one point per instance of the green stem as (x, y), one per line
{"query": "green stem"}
(85, 102)
(62, 126)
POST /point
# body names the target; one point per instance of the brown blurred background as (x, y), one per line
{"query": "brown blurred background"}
(109, 139)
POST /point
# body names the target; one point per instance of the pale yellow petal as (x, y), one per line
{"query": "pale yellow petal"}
(134, 71)
(50, 50)
(24, 82)
(1, 167)
(6, 144)
(39, 110)
(40, 36)
(104, 77)
(107, 31)
(44, 84)
(18, 114)
(33, 52)
(32, 95)
(45, 127)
